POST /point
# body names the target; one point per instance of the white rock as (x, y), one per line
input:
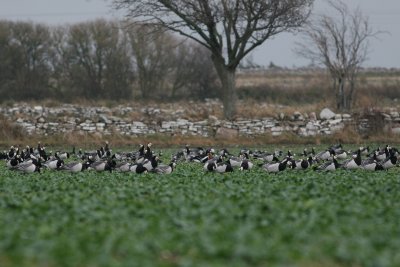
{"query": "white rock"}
(38, 108)
(276, 133)
(138, 124)
(166, 124)
(311, 126)
(41, 120)
(346, 116)
(334, 122)
(276, 129)
(326, 114)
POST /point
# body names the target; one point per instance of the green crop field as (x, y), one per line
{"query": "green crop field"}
(192, 218)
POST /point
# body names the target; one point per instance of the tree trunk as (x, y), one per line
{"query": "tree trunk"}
(350, 92)
(227, 78)
(341, 96)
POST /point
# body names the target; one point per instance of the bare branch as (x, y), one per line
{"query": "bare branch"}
(340, 43)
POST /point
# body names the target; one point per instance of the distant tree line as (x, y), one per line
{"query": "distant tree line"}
(101, 60)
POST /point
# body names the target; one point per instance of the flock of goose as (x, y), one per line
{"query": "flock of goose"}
(144, 159)
(325, 160)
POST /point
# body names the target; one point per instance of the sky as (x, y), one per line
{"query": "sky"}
(384, 15)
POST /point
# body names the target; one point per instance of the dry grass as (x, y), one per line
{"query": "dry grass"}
(254, 109)
(9, 131)
(88, 141)
(314, 88)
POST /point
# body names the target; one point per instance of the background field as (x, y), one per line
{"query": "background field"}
(312, 88)
(189, 218)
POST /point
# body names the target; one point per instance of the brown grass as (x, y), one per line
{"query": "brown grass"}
(87, 141)
(10, 131)
(297, 89)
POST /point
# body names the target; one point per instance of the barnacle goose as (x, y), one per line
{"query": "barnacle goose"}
(74, 167)
(223, 167)
(277, 166)
(354, 162)
(138, 168)
(164, 169)
(329, 165)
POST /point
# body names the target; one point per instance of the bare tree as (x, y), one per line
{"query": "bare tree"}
(341, 44)
(153, 55)
(24, 54)
(194, 75)
(230, 29)
(98, 62)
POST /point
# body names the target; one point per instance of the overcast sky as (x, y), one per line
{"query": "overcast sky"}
(384, 15)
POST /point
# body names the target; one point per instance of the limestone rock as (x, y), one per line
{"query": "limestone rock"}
(326, 114)
(226, 133)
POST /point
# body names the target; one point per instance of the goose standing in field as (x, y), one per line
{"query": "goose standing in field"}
(12, 152)
(210, 166)
(277, 166)
(195, 151)
(134, 156)
(302, 164)
(371, 164)
(94, 155)
(354, 162)
(105, 165)
(383, 154)
(223, 167)
(246, 164)
(224, 152)
(164, 169)
(138, 168)
(3, 155)
(123, 166)
(54, 164)
(14, 161)
(27, 167)
(340, 153)
(62, 155)
(268, 157)
(147, 154)
(336, 147)
(389, 162)
(235, 161)
(151, 163)
(211, 162)
(75, 167)
(365, 151)
(331, 165)
(324, 155)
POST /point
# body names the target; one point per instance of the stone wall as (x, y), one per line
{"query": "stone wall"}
(105, 121)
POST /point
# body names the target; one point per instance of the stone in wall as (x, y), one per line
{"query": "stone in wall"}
(326, 114)
(226, 133)
(104, 121)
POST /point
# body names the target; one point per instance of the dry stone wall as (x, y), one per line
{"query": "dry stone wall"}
(106, 121)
